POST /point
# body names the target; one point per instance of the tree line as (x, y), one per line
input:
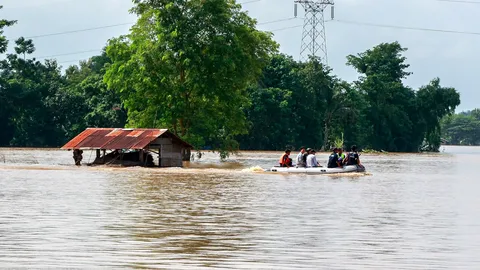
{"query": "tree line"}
(462, 128)
(202, 69)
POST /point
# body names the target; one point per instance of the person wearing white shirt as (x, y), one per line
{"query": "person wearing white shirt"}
(300, 162)
(312, 160)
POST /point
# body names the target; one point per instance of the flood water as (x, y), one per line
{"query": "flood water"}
(411, 211)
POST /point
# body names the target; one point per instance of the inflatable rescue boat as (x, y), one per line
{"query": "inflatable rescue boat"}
(318, 170)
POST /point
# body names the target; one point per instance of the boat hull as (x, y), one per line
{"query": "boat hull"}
(319, 170)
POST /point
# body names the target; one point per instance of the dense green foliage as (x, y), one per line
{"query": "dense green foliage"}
(186, 65)
(40, 106)
(304, 104)
(203, 70)
(462, 128)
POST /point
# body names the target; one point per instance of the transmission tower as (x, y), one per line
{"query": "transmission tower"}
(314, 40)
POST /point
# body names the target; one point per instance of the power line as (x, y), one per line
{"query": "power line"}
(408, 28)
(297, 26)
(79, 52)
(97, 50)
(36, 5)
(71, 61)
(289, 27)
(66, 1)
(131, 23)
(64, 54)
(79, 30)
(120, 24)
(285, 28)
(280, 20)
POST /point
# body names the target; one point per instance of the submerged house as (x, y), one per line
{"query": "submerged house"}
(131, 147)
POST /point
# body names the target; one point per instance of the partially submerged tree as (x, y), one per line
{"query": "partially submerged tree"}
(435, 102)
(401, 118)
(186, 66)
(390, 103)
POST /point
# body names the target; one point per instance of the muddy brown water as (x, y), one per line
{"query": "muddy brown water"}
(410, 211)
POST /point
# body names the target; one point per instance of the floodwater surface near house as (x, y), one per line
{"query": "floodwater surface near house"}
(415, 211)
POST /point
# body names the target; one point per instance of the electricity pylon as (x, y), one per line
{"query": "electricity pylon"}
(314, 40)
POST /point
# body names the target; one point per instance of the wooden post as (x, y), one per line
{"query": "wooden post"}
(160, 156)
(104, 154)
(142, 160)
(98, 153)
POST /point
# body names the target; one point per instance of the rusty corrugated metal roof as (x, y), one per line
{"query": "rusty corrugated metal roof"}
(117, 138)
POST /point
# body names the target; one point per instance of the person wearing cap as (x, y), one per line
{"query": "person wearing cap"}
(312, 160)
(300, 162)
(333, 159)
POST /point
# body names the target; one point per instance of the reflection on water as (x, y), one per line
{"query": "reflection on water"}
(413, 211)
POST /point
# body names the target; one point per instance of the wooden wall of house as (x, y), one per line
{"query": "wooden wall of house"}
(170, 152)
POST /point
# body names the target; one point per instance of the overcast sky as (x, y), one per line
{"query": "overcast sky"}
(452, 57)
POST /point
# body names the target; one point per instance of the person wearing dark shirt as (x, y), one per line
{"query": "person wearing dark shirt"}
(333, 159)
(353, 158)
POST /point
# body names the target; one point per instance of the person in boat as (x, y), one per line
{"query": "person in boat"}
(300, 161)
(312, 160)
(333, 159)
(305, 155)
(285, 160)
(341, 156)
(353, 158)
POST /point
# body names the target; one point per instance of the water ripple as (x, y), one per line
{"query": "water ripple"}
(412, 212)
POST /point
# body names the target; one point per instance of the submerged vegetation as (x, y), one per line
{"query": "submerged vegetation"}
(203, 70)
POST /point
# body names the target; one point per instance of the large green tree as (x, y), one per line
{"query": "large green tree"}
(391, 105)
(401, 118)
(186, 66)
(435, 102)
